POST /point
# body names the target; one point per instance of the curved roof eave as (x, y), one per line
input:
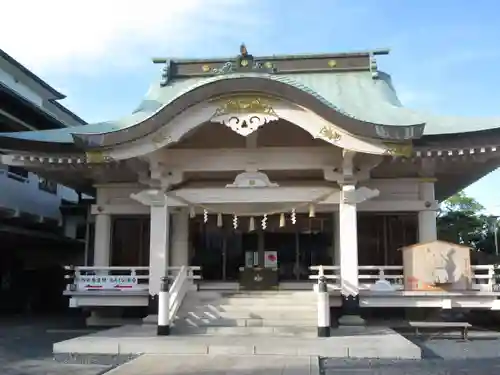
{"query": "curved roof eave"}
(274, 85)
(61, 140)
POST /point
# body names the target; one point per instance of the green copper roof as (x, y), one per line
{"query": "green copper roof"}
(355, 94)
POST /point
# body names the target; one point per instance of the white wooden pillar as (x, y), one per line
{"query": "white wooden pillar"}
(348, 228)
(348, 231)
(159, 237)
(102, 240)
(179, 255)
(158, 246)
(427, 230)
(336, 238)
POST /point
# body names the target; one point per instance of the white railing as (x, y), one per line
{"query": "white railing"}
(483, 276)
(83, 278)
(182, 283)
(369, 275)
(88, 278)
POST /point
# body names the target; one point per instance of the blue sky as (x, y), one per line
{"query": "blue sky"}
(444, 54)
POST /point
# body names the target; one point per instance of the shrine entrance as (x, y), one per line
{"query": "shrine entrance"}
(260, 268)
(259, 259)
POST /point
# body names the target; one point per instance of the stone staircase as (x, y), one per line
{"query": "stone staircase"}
(283, 313)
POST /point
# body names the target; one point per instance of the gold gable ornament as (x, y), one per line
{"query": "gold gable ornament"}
(245, 114)
(97, 157)
(329, 133)
(398, 149)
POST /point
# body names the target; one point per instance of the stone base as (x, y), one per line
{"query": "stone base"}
(153, 304)
(109, 321)
(109, 317)
(150, 319)
(351, 321)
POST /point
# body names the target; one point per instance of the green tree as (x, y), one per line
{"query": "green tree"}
(461, 202)
(462, 219)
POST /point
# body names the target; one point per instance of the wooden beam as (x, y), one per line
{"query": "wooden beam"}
(269, 158)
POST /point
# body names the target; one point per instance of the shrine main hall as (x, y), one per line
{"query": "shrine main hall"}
(256, 168)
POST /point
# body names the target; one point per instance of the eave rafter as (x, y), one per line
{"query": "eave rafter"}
(55, 161)
(444, 154)
(97, 158)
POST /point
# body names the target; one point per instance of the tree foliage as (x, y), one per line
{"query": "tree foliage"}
(462, 219)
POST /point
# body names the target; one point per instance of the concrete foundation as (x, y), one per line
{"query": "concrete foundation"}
(109, 317)
(345, 342)
(351, 321)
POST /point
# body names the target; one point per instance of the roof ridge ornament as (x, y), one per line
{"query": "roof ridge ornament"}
(373, 66)
(166, 73)
(245, 62)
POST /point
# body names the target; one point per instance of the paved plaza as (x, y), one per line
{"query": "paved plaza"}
(26, 349)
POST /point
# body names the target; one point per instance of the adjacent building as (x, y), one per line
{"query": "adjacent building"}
(32, 228)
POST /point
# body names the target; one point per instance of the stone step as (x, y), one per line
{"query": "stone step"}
(264, 294)
(255, 294)
(187, 305)
(252, 301)
(245, 322)
(247, 331)
(247, 314)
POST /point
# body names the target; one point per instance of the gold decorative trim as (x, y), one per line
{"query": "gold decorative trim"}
(398, 149)
(268, 65)
(330, 133)
(245, 104)
(332, 63)
(97, 157)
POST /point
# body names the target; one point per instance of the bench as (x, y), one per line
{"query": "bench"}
(463, 326)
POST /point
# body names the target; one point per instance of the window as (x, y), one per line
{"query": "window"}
(17, 173)
(46, 185)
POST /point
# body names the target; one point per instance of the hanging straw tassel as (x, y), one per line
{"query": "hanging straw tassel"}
(192, 212)
(282, 220)
(251, 226)
(219, 220)
(312, 211)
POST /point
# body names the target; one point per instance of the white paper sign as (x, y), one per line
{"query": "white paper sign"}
(270, 259)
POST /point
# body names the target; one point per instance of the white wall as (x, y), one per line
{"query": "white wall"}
(20, 88)
(26, 196)
(31, 90)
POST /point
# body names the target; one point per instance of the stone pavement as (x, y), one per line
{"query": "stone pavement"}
(26, 347)
(361, 342)
(151, 364)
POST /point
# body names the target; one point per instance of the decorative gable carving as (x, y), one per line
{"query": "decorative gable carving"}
(244, 115)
